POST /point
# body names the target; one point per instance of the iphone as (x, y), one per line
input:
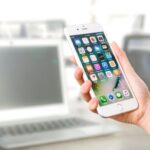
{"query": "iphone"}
(95, 56)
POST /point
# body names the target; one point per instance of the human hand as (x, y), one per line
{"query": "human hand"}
(140, 116)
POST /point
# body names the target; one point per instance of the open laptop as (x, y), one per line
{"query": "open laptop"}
(33, 108)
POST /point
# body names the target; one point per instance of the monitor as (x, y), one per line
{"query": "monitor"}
(137, 48)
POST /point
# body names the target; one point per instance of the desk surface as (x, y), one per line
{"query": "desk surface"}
(129, 138)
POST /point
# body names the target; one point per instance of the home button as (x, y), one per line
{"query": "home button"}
(119, 107)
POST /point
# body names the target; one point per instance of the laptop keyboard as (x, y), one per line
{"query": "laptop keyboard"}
(43, 126)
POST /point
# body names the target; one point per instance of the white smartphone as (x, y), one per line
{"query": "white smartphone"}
(109, 83)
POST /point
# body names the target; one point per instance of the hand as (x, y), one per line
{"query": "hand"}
(139, 116)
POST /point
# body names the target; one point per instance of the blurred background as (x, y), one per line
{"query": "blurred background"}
(32, 21)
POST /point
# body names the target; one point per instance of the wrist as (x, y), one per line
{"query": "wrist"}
(144, 122)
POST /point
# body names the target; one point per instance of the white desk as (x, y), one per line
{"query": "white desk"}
(130, 138)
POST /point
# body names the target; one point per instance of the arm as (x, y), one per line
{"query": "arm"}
(144, 122)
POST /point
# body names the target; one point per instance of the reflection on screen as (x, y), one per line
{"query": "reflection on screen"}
(29, 76)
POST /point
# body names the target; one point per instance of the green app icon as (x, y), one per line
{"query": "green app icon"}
(103, 99)
(118, 95)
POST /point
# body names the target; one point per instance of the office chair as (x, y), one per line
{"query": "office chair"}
(137, 48)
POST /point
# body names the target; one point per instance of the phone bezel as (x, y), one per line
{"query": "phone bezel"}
(111, 109)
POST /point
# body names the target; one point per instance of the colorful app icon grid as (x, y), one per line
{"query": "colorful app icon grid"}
(100, 64)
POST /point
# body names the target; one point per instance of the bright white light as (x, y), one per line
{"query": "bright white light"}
(76, 11)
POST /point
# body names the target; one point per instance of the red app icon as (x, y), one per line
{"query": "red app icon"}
(93, 39)
(93, 77)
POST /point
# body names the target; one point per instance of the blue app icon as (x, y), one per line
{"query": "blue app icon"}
(108, 55)
(111, 97)
(105, 65)
(97, 48)
(77, 41)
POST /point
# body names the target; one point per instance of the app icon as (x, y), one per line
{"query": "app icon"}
(101, 56)
(93, 58)
(93, 39)
(89, 49)
(97, 48)
(109, 74)
(81, 50)
(93, 77)
(111, 97)
(101, 75)
(112, 63)
(108, 55)
(85, 40)
(97, 66)
(105, 65)
(126, 93)
(118, 95)
(89, 68)
(104, 46)
(77, 41)
(100, 38)
(85, 59)
(103, 99)
(116, 72)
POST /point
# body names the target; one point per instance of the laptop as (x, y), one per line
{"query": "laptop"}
(33, 101)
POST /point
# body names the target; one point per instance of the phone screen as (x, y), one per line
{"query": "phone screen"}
(101, 67)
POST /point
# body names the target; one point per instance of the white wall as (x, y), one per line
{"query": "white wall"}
(117, 16)
(73, 11)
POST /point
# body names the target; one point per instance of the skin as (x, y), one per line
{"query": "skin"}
(139, 116)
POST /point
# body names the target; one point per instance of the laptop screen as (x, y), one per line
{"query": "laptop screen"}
(29, 76)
